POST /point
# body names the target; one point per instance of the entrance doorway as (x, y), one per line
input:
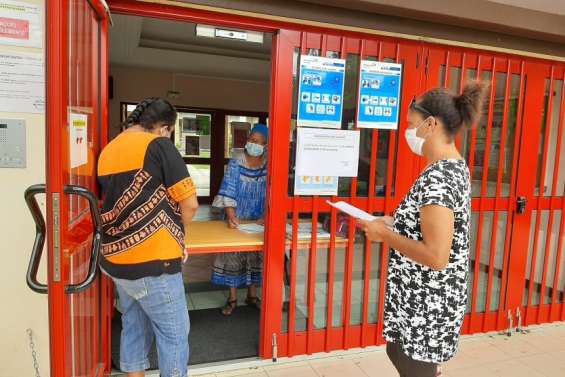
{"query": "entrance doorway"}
(335, 289)
(220, 84)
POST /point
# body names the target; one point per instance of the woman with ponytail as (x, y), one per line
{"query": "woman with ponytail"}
(426, 295)
(149, 200)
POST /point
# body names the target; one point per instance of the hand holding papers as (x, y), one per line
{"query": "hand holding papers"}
(360, 214)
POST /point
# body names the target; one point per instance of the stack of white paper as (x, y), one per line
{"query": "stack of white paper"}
(251, 228)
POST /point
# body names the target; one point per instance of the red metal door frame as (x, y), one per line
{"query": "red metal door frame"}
(76, 322)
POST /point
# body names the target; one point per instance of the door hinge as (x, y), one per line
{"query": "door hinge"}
(275, 348)
(56, 207)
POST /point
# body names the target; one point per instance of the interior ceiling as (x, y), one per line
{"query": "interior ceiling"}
(173, 46)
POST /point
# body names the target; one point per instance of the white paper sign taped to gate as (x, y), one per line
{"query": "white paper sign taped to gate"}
(307, 185)
(327, 152)
(78, 139)
(21, 24)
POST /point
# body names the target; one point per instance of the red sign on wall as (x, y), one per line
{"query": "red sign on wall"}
(13, 28)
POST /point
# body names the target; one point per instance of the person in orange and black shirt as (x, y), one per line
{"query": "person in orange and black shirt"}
(149, 200)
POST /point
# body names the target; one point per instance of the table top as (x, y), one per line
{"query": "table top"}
(217, 237)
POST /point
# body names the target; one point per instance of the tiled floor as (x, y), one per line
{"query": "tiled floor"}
(540, 353)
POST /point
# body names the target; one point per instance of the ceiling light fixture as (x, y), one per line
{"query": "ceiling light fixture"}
(238, 35)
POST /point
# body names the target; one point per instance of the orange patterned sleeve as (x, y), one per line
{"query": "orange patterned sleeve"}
(182, 190)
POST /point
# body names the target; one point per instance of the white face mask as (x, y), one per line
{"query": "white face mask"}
(254, 149)
(416, 143)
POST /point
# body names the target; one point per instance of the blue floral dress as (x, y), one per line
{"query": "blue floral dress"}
(244, 189)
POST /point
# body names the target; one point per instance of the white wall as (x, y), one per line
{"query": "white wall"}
(21, 308)
(135, 84)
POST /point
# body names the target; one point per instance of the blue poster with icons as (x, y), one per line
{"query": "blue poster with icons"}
(379, 95)
(320, 92)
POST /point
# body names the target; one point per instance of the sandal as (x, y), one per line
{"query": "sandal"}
(253, 302)
(229, 308)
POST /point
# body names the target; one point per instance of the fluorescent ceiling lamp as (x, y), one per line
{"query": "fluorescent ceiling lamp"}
(236, 35)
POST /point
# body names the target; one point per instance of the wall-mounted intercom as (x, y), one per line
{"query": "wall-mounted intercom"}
(12, 143)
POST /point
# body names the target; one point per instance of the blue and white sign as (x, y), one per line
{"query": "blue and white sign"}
(320, 92)
(379, 95)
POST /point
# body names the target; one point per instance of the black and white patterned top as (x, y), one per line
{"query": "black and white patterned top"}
(424, 309)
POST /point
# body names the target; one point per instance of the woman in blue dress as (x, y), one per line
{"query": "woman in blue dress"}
(242, 196)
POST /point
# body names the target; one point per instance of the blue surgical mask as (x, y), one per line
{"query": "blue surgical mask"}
(254, 149)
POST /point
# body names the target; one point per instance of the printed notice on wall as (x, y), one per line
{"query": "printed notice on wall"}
(78, 139)
(315, 185)
(22, 83)
(320, 92)
(21, 24)
(379, 95)
(323, 152)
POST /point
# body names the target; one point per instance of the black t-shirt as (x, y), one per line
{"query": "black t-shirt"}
(143, 178)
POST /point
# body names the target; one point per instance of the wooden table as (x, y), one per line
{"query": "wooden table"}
(216, 237)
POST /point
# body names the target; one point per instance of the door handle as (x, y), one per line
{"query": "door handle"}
(96, 238)
(521, 205)
(37, 250)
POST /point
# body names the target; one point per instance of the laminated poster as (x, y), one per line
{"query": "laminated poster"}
(320, 92)
(379, 95)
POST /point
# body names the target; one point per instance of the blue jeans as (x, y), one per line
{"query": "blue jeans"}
(154, 307)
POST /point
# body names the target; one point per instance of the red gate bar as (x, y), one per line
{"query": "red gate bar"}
(388, 205)
(471, 162)
(538, 206)
(331, 271)
(543, 314)
(313, 238)
(554, 299)
(502, 320)
(476, 273)
(353, 46)
(542, 194)
(484, 192)
(292, 294)
(509, 214)
(370, 48)
(462, 80)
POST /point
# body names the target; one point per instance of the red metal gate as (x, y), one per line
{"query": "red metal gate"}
(537, 277)
(333, 298)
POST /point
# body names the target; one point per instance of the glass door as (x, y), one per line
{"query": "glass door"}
(79, 303)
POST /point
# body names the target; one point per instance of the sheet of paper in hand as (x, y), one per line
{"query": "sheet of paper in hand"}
(352, 211)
